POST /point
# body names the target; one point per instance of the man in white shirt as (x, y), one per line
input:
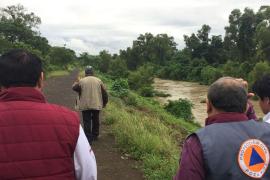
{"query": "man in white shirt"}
(84, 159)
(262, 89)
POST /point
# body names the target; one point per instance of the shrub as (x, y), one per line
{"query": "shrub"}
(118, 68)
(181, 108)
(146, 91)
(131, 99)
(161, 94)
(209, 74)
(142, 77)
(261, 68)
(120, 87)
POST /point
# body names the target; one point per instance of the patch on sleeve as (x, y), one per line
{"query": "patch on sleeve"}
(253, 158)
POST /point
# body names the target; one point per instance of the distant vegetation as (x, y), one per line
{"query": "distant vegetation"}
(19, 29)
(243, 52)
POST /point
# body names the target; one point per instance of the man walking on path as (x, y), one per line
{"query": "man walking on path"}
(230, 147)
(262, 89)
(92, 98)
(38, 140)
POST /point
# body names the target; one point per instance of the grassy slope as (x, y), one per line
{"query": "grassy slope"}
(146, 131)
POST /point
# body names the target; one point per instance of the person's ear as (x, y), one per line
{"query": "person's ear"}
(40, 81)
(267, 100)
(209, 106)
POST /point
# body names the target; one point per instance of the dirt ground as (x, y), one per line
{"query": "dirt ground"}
(112, 165)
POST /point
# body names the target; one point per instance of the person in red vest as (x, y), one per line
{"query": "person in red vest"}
(38, 140)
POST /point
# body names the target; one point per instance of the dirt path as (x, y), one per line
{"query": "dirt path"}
(112, 165)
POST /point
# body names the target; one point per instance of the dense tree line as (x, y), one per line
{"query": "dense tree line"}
(19, 29)
(244, 51)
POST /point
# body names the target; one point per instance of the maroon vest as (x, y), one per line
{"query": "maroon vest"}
(37, 139)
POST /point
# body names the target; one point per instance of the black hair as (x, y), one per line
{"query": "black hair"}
(19, 68)
(228, 95)
(261, 87)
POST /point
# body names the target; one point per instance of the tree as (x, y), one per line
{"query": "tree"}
(210, 74)
(105, 60)
(263, 39)
(199, 44)
(216, 54)
(164, 48)
(148, 48)
(86, 59)
(61, 56)
(118, 68)
(17, 25)
(247, 28)
(239, 38)
(232, 34)
(261, 68)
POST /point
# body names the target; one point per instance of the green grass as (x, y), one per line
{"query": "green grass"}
(57, 73)
(149, 134)
(145, 138)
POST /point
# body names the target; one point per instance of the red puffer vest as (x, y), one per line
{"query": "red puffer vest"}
(37, 139)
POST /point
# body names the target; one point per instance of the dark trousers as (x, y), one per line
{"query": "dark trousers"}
(91, 124)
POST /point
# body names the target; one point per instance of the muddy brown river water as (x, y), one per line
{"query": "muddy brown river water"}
(192, 91)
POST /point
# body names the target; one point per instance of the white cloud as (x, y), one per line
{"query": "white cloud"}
(94, 25)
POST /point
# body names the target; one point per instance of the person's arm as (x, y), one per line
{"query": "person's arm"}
(84, 159)
(76, 87)
(191, 165)
(104, 95)
(250, 111)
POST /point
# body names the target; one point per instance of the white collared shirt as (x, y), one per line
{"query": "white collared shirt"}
(266, 118)
(84, 159)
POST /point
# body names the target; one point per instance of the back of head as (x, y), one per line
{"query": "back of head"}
(228, 95)
(19, 68)
(261, 87)
(89, 71)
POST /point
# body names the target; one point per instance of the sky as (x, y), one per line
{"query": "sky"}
(95, 25)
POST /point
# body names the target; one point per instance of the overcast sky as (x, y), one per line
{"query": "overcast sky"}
(94, 25)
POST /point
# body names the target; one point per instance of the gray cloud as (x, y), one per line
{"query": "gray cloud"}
(112, 25)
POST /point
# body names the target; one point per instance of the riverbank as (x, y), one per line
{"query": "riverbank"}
(192, 91)
(146, 132)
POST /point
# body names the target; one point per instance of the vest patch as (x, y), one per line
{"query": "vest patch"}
(253, 158)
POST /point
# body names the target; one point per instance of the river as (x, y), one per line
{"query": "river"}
(195, 92)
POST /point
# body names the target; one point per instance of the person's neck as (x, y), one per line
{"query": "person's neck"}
(37, 87)
(214, 112)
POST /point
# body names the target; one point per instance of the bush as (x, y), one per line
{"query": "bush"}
(131, 99)
(120, 87)
(181, 108)
(143, 77)
(261, 68)
(161, 94)
(118, 68)
(147, 91)
(209, 74)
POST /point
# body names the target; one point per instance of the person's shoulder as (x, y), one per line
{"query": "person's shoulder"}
(96, 79)
(63, 111)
